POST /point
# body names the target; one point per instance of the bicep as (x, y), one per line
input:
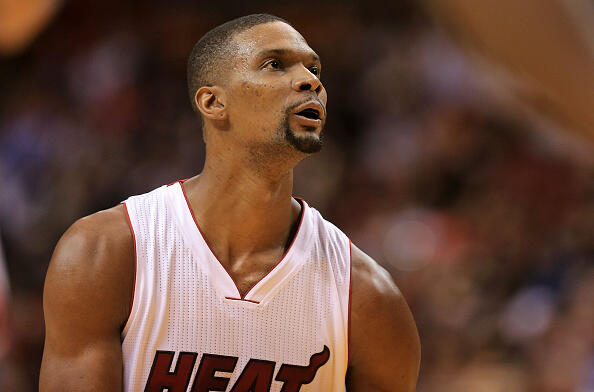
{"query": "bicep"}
(385, 347)
(95, 366)
(85, 304)
(80, 352)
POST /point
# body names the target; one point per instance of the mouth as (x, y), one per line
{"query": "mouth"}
(310, 115)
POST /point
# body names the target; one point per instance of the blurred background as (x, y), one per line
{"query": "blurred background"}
(482, 210)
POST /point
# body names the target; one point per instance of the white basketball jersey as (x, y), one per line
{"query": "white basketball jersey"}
(190, 329)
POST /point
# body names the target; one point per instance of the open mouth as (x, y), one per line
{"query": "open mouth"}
(310, 113)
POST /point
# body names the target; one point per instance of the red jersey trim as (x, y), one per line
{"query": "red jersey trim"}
(243, 299)
(301, 214)
(202, 234)
(135, 264)
(176, 181)
(350, 296)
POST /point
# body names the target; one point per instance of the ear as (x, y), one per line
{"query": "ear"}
(210, 101)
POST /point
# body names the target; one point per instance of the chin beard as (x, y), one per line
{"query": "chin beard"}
(308, 144)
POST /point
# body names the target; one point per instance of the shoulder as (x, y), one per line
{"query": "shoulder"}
(381, 327)
(92, 265)
(374, 293)
(372, 277)
(104, 228)
(95, 242)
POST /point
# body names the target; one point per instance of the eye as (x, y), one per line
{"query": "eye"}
(272, 64)
(314, 70)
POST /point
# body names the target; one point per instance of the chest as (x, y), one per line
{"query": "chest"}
(292, 325)
(248, 273)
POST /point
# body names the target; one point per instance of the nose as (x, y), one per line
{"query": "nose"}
(307, 81)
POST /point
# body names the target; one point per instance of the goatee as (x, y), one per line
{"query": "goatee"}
(307, 144)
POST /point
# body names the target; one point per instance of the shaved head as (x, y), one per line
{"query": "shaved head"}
(210, 55)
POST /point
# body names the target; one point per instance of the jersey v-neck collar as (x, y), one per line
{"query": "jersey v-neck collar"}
(264, 289)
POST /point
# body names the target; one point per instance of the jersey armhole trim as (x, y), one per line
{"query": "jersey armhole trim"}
(349, 307)
(135, 268)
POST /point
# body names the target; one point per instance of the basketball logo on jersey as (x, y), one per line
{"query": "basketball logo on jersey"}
(255, 377)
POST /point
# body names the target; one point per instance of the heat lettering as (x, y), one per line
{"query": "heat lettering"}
(257, 375)
(161, 378)
(295, 376)
(205, 377)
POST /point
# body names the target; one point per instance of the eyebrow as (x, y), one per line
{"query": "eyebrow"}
(284, 52)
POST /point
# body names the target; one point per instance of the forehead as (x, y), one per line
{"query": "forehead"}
(271, 36)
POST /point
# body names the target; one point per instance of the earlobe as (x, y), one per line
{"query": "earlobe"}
(210, 101)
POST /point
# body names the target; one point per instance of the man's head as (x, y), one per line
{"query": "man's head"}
(255, 82)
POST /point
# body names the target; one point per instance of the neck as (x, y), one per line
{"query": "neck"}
(242, 212)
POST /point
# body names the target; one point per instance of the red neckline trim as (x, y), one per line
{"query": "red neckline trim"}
(242, 297)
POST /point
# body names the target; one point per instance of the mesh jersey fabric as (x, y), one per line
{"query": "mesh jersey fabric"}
(190, 330)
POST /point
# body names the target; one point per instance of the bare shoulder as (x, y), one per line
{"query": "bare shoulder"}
(93, 264)
(107, 228)
(374, 290)
(99, 243)
(373, 278)
(384, 345)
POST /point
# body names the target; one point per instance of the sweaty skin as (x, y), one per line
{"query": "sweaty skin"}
(247, 177)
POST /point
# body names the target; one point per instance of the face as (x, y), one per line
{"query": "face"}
(274, 95)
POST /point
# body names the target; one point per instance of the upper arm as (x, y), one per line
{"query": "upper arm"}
(86, 301)
(384, 345)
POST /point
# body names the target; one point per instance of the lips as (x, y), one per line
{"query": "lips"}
(310, 113)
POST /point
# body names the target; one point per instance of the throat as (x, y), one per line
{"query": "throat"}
(247, 271)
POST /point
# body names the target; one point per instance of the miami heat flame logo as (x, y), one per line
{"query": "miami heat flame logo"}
(255, 377)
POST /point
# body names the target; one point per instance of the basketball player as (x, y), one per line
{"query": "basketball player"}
(225, 282)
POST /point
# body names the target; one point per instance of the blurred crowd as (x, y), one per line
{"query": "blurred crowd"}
(484, 217)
